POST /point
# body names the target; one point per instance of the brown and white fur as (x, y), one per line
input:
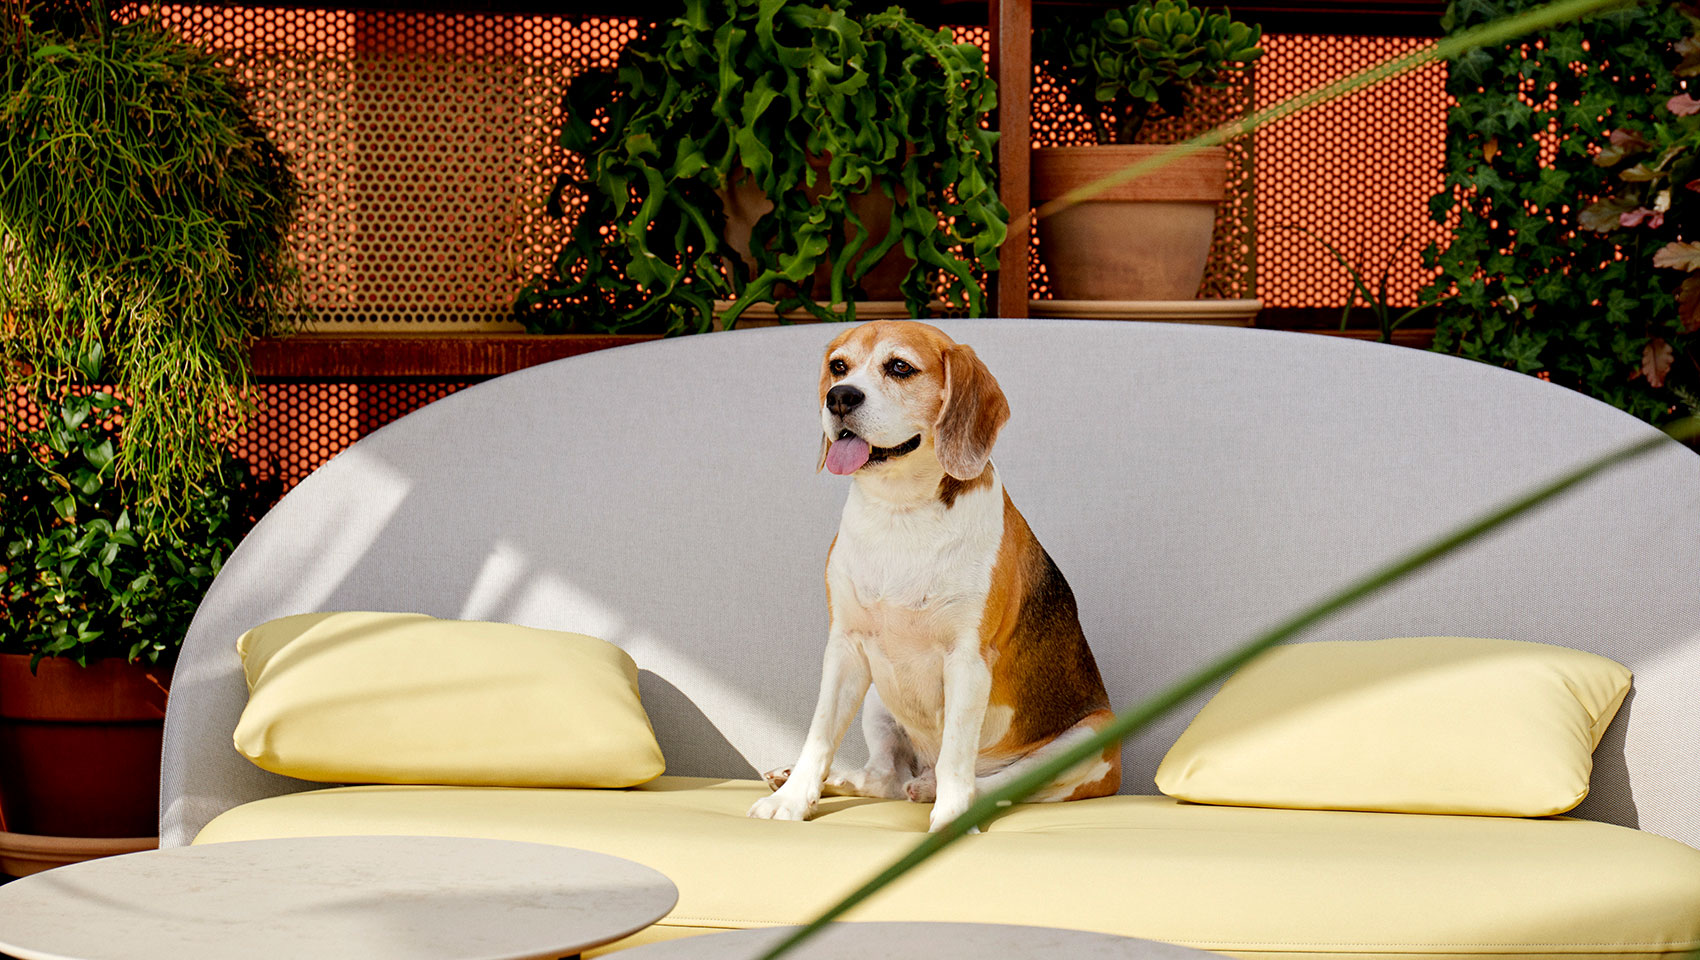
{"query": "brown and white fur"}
(939, 596)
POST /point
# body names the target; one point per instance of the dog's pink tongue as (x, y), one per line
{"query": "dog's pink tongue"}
(847, 455)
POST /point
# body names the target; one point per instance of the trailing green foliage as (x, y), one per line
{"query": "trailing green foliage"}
(1548, 278)
(1153, 54)
(87, 570)
(143, 215)
(809, 105)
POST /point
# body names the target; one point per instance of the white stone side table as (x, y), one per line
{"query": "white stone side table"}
(372, 898)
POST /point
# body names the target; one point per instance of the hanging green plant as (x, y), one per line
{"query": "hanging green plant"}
(143, 215)
(793, 109)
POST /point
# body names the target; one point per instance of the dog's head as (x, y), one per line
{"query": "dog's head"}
(891, 388)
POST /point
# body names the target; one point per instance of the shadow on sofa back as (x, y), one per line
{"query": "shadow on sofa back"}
(1194, 484)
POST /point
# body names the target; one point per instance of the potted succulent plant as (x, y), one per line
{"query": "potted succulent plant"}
(770, 151)
(1147, 238)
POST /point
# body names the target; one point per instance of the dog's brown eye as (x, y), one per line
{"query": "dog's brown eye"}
(838, 367)
(899, 368)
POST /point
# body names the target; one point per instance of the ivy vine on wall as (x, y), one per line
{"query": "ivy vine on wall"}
(1540, 287)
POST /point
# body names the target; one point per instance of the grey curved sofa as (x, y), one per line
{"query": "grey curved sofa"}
(1195, 484)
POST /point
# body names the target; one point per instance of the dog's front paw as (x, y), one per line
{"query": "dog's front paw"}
(781, 806)
(776, 777)
(922, 789)
(944, 811)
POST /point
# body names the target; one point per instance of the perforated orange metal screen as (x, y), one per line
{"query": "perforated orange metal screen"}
(426, 145)
(303, 425)
(1358, 172)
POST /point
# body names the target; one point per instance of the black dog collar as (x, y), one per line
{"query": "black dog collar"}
(878, 454)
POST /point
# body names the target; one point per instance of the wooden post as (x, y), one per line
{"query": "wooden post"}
(1012, 64)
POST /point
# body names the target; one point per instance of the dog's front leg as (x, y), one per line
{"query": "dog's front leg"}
(967, 687)
(843, 683)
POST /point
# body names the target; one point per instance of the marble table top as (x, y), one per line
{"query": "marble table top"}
(375, 898)
(934, 941)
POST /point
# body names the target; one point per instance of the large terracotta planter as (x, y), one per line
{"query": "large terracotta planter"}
(1145, 239)
(79, 754)
(745, 203)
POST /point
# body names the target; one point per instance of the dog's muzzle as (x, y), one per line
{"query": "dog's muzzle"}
(850, 453)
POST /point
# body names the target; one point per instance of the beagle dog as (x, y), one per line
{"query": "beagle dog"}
(950, 626)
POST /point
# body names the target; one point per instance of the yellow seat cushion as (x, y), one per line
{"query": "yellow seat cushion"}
(1251, 882)
(407, 698)
(1406, 725)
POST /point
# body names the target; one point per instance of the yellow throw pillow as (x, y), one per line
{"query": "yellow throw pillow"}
(407, 698)
(1411, 725)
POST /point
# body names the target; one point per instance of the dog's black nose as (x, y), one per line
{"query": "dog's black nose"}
(843, 398)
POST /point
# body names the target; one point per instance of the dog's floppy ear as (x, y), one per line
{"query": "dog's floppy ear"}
(825, 445)
(973, 412)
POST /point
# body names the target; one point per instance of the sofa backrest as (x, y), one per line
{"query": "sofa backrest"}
(1194, 484)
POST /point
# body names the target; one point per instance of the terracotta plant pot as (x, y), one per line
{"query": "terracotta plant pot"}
(80, 747)
(746, 203)
(22, 854)
(1145, 239)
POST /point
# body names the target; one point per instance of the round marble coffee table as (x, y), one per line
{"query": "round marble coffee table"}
(935, 941)
(377, 898)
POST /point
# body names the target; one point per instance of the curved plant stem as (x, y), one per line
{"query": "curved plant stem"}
(987, 805)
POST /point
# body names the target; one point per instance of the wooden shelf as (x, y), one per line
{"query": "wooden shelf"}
(340, 356)
(1326, 320)
(1403, 18)
(1418, 338)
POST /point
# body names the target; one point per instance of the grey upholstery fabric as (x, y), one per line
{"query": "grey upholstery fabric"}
(1194, 484)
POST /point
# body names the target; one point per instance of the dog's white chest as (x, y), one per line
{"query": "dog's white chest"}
(907, 586)
(928, 560)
